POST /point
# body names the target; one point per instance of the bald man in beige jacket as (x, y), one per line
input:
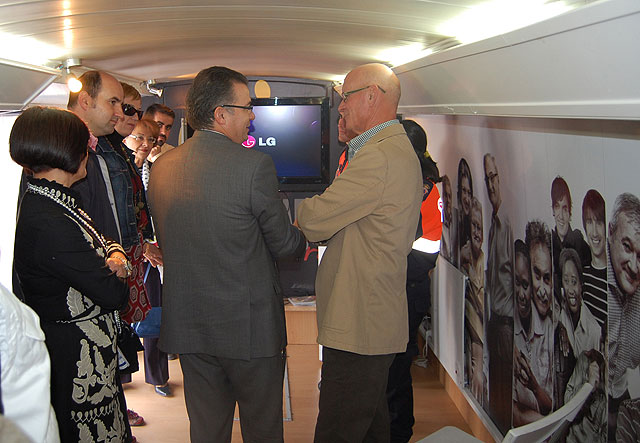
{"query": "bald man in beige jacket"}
(369, 217)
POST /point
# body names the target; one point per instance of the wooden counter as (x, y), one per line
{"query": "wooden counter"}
(302, 328)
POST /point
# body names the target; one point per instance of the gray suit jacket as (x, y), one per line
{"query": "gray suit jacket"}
(220, 225)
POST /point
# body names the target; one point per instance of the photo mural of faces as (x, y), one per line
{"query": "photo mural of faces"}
(537, 308)
(550, 246)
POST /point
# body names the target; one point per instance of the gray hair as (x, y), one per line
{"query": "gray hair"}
(629, 205)
(537, 233)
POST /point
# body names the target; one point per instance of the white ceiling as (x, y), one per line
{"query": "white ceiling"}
(171, 39)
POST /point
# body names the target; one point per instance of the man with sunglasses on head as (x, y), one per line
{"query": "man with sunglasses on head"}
(221, 225)
(164, 117)
(368, 216)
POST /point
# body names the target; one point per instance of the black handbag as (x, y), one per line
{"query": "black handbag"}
(128, 346)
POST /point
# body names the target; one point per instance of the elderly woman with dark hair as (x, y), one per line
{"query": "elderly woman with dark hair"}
(71, 276)
(578, 330)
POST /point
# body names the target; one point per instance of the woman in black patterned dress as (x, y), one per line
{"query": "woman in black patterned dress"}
(71, 276)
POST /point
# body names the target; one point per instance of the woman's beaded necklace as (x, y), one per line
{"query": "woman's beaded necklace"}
(69, 203)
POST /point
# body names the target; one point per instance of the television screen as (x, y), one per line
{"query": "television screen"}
(295, 133)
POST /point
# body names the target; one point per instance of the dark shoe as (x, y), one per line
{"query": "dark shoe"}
(165, 390)
(172, 356)
(134, 418)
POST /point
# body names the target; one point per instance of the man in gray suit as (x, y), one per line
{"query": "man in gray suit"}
(221, 224)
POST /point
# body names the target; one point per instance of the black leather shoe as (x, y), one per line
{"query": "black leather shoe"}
(165, 390)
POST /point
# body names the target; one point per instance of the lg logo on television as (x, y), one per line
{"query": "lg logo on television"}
(251, 142)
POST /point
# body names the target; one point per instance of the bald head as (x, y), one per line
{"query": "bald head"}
(381, 75)
(372, 96)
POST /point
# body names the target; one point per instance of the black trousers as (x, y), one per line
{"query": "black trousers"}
(400, 398)
(400, 384)
(353, 402)
(213, 385)
(156, 363)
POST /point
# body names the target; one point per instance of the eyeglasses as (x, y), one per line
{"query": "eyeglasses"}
(142, 138)
(345, 95)
(248, 108)
(131, 110)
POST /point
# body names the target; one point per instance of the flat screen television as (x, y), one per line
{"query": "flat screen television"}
(294, 131)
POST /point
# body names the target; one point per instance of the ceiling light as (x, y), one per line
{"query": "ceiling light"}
(150, 86)
(337, 79)
(403, 54)
(72, 81)
(27, 50)
(500, 16)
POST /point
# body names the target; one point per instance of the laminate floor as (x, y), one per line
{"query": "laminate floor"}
(167, 422)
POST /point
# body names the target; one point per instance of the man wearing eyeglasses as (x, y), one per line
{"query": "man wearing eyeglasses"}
(221, 224)
(368, 216)
(164, 117)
